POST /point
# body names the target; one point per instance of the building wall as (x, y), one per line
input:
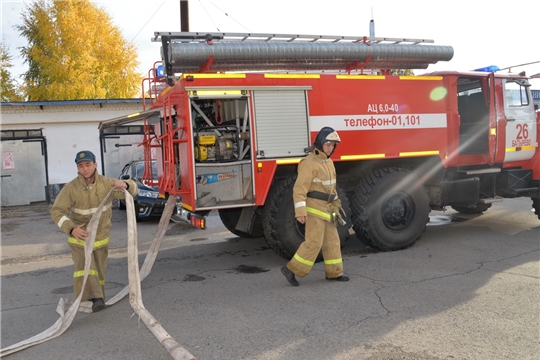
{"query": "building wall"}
(68, 127)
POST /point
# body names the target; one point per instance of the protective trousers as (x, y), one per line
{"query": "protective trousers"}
(319, 234)
(95, 285)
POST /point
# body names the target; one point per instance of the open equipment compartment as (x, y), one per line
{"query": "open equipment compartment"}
(222, 149)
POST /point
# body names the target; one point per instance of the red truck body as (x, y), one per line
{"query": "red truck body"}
(231, 142)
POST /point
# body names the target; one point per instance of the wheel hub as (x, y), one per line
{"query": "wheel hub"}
(398, 212)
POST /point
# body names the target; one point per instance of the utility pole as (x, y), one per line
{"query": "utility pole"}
(372, 25)
(184, 16)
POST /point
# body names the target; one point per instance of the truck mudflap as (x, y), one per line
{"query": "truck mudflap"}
(243, 222)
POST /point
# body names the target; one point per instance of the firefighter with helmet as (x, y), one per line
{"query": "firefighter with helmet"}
(316, 205)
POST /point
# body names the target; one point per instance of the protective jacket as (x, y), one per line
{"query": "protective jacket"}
(316, 173)
(77, 202)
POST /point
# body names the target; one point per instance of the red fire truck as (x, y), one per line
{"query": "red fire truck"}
(238, 111)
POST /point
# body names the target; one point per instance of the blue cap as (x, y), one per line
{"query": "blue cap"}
(85, 156)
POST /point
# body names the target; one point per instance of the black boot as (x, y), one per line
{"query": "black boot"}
(339, 278)
(97, 304)
(290, 276)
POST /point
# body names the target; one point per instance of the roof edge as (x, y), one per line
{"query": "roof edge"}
(75, 102)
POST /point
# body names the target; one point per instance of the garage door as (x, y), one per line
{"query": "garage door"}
(24, 176)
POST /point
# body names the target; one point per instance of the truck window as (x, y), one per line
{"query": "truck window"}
(515, 94)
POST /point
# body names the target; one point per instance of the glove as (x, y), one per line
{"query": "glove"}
(338, 213)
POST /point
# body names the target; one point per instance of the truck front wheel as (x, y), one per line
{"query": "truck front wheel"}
(282, 232)
(390, 209)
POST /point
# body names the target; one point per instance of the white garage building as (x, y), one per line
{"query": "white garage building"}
(40, 140)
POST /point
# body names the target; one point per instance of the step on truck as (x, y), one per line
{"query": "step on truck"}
(232, 114)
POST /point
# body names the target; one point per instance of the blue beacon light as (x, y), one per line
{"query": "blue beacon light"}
(491, 68)
(159, 71)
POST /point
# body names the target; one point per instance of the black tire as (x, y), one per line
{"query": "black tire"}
(230, 217)
(477, 209)
(390, 209)
(121, 205)
(536, 206)
(282, 232)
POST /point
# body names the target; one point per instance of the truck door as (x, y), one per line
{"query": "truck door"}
(476, 106)
(521, 136)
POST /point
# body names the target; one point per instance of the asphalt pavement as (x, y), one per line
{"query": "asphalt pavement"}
(468, 289)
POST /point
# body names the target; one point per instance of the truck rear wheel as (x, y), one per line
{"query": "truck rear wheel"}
(477, 209)
(230, 217)
(282, 232)
(390, 209)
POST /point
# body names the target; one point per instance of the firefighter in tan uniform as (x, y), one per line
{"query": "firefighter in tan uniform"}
(316, 205)
(72, 210)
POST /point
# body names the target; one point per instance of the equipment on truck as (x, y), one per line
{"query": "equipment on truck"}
(239, 110)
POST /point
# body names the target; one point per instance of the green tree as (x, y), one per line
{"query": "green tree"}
(75, 52)
(9, 89)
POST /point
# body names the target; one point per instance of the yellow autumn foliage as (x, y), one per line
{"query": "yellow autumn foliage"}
(76, 52)
(9, 89)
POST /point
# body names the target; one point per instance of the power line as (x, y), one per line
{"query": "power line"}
(228, 15)
(151, 17)
(510, 67)
(207, 13)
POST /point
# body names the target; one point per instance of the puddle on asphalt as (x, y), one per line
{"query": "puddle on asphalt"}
(192, 277)
(246, 269)
(437, 220)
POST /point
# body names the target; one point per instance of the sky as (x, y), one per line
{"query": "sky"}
(481, 32)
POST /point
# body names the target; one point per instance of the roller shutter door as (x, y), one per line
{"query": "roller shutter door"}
(281, 123)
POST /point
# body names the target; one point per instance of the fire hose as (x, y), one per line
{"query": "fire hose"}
(68, 308)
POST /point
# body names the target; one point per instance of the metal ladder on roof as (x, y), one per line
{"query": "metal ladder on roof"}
(197, 37)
